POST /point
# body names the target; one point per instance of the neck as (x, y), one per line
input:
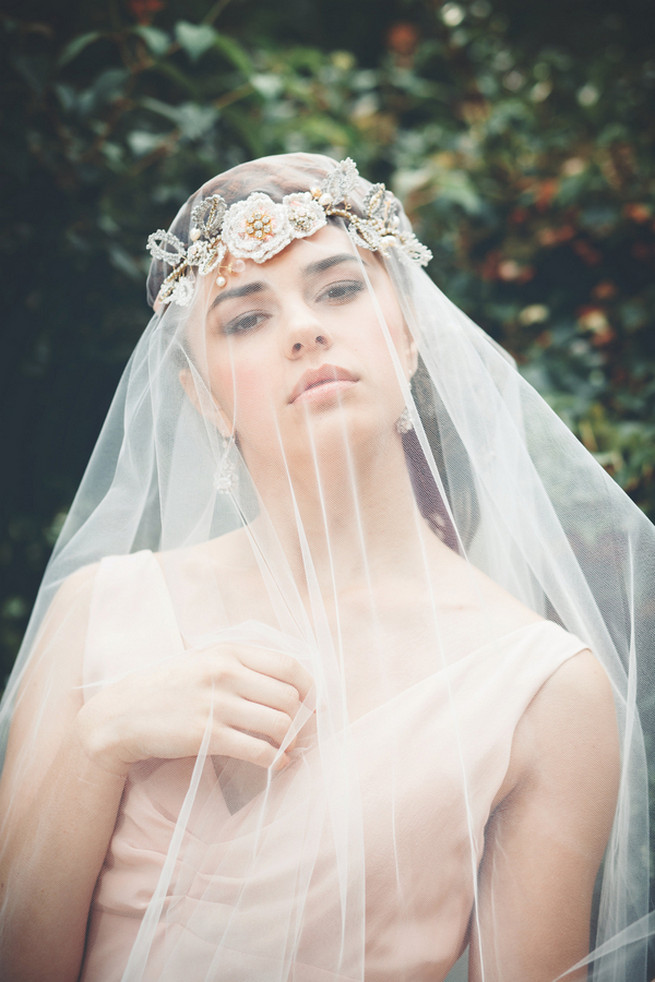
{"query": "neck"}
(351, 517)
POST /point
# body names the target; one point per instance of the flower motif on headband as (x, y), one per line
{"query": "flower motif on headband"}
(304, 213)
(258, 228)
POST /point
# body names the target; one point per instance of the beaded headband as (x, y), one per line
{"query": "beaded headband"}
(258, 228)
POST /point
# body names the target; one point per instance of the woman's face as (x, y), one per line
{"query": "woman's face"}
(297, 342)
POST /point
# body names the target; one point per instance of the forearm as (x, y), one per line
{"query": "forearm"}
(53, 850)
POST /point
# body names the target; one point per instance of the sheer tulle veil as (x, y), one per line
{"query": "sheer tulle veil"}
(491, 474)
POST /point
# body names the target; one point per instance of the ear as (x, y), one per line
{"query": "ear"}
(208, 407)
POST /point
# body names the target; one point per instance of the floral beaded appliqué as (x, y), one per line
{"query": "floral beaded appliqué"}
(258, 228)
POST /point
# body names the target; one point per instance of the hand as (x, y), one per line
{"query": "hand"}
(248, 696)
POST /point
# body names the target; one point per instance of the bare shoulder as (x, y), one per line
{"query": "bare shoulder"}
(566, 745)
(578, 694)
(65, 605)
(550, 825)
(77, 586)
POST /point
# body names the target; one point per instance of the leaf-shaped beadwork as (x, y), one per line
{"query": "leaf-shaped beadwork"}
(374, 201)
(415, 249)
(173, 256)
(207, 216)
(257, 228)
(341, 181)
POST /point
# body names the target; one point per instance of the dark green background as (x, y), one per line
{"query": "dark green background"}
(520, 136)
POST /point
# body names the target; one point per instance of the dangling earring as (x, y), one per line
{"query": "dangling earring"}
(404, 422)
(226, 477)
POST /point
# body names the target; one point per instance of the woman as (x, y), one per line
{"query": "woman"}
(337, 715)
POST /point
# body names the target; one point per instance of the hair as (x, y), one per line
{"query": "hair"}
(441, 435)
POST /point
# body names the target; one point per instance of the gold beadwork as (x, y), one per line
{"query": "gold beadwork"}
(257, 228)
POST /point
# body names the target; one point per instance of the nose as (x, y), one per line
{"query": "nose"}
(304, 332)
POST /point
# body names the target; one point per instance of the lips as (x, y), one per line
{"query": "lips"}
(325, 375)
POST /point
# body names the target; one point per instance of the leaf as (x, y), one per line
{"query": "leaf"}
(66, 95)
(33, 70)
(157, 41)
(267, 84)
(123, 261)
(195, 39)
(194, 120)
(141, 142)
(456, 188)
(235, 53)
(76, 46)
(109, 86)
(164, 109)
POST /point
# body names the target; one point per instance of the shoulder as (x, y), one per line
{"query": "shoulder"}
(574, 708)
(67, 597)
(567, 740)
(547, 834)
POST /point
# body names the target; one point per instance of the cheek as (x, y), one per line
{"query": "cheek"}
(395, 325)
(242, 389)
(386, 350)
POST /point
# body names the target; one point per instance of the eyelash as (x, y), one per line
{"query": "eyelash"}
(336, 293)
(242, 324)
(349, 289)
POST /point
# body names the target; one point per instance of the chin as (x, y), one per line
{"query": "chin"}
(344, 431)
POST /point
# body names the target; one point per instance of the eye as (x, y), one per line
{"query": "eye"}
(245, 322)
(341, 292)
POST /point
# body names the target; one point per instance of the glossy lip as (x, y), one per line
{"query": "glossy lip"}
(329, 377)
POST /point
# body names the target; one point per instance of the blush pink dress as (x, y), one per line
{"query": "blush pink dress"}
(257, 885)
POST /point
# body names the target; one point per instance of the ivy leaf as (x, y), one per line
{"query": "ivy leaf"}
(157, 41)
(76, 46)
(195, 39)
(141, 142)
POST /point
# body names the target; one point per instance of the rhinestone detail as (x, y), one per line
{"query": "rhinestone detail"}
(258, 228)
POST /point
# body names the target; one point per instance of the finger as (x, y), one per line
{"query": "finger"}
(245, 746)
(225, 659)
(278, 665)
(259, 720)
(268, 691)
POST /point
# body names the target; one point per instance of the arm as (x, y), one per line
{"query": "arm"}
(67, 761)
(58, 808)
(545, 840)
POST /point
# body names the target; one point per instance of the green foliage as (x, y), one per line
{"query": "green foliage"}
(527, 166)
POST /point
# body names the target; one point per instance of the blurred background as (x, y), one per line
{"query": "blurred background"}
(519, 135)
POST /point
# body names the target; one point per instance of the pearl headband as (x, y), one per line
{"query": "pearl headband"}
(258, 228)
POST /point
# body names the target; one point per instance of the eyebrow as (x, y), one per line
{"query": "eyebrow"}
(238, 291)
(322, 264)
(311, 269)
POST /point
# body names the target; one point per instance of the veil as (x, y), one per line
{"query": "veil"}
(431, 547)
